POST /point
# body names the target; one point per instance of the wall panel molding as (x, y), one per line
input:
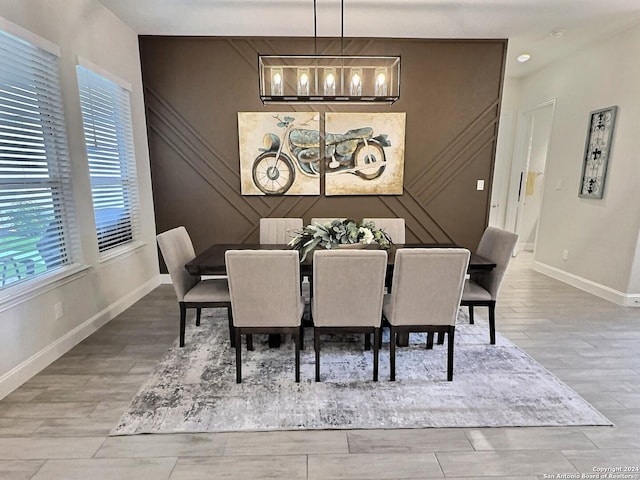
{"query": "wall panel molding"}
(195, 86)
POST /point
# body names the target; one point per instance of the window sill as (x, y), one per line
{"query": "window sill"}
(119, 253)
(24, 292)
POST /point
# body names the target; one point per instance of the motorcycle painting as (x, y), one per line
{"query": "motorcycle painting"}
(289, 157)
(376, 145)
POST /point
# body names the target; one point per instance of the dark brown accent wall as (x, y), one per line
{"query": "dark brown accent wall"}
(194, 88)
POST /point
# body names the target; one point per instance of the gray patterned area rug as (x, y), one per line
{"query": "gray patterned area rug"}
(193, 388)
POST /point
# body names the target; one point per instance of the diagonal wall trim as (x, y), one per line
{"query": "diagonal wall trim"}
(453, 145)
(178, 124)
(429, 195)
(201, 166)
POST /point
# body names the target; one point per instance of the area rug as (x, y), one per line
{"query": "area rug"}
(193, 389)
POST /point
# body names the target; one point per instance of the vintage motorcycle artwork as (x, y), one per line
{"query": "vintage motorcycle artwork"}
(297, 151)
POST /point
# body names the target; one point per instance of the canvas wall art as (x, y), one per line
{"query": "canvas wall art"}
(279, 153)
(364, 153)
(596, 152)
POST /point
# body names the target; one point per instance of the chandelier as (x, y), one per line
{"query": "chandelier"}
(329, 78)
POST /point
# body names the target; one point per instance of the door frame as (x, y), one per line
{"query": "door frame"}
(520, 167)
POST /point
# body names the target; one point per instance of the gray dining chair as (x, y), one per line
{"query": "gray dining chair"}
(192, 292)
(482, 288)
(278, 230)
(265, 296)
(393, 226)
(427, 287)
(348, 287)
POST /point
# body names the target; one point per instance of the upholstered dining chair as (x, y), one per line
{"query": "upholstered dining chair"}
(393, 226)
(265, 296)
(482, 288)
(278, 230)
(192, 292)
(348, 287)
(427, 287)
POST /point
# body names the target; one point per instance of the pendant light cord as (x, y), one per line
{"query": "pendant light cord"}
(341, 27)
(315, 29)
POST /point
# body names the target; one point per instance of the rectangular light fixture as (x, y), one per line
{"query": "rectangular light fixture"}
(329, 79)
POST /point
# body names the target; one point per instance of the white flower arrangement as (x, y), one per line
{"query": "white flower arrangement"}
(338, 232)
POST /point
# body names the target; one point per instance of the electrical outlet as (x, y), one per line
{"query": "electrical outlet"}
(480, 185)
(58, 310)
(565, 254)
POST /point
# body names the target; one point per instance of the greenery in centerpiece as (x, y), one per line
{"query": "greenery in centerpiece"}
(338, 232)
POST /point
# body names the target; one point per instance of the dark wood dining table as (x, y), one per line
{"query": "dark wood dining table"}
(212, 262)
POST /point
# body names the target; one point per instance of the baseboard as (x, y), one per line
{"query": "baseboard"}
(602, 291)
(36, 363)
(527, 247)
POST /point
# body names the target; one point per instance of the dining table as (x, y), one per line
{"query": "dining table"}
(212, 262)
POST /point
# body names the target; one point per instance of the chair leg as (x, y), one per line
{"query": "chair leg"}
(238, 355)
(316, 346)
(249, 343)
(429, 340)
(198, 314)
(452, 330)
(367, 341)
(392, 354)
(301, 335)
(297, 342)
(232, 337)
(440, 338)
(183, 322)
(376, 343)
(471, 314)
(492, 323)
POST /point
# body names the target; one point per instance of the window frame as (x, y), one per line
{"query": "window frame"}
(55, 178)
(127, 165)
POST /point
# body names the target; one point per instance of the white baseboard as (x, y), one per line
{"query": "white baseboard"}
(602, 291)
(36, 363)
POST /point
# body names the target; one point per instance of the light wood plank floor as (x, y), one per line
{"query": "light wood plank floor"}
(56, 425)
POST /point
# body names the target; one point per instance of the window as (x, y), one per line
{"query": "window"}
(37, 232)
(106, 116)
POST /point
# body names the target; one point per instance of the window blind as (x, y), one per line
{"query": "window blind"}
(106, 117)
(37, 227)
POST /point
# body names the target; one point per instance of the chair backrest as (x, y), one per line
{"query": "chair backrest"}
(496, 245)
(393, 226)
(348, 287)
(177, 249)
(279, 230)
(264, 286)
(427, 285)
(323, 220)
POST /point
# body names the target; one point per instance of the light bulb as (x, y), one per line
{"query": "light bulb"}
(382, 78)
(331, 80)
(304, 79)
(355, 79)
(277, 79)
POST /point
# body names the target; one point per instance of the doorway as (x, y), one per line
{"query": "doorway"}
(528, 173)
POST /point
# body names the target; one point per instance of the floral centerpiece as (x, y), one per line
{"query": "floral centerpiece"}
(338, 233)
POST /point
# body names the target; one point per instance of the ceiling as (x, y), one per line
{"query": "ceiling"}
(526, 23)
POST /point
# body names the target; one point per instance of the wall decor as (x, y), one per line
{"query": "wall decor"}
(279, 153)
(597, 151)
(364, 153)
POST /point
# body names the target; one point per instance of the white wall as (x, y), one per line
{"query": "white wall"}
(600, 235)
(30, 337)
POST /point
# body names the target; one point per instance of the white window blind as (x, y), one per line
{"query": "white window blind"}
(106, 116)
(37, 231)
